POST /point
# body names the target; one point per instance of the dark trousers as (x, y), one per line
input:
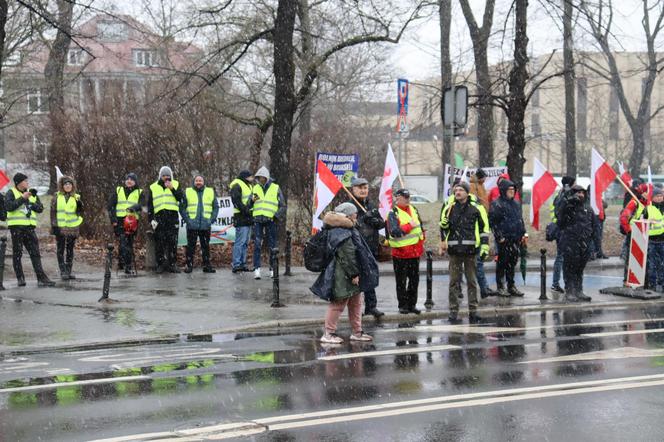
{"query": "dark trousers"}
(407, 275)
(204, 237)
(26, 237)
(65, 252)
(126, 242)
(508, 256)
(463, 265)
(574, 264)
(166, 244)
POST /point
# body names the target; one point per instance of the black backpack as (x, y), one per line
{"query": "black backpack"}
(316, 252)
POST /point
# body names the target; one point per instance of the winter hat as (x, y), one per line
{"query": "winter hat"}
(568, 181)
(263, 172)
(165, 170)
(464, 185)
(347, 209)
(357, 181)
(19, 178)
(244, 174)
(66, 179)
(480, 173)
(657, 191)
(132, 176)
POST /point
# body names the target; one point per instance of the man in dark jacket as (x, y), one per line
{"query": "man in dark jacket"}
(199, 210)
(241, 196)
(163, 200)
(23, 205)
(128, 198)
(567, 182)
(369, 222)
(576, 221)
(461, 234)
(509, 232)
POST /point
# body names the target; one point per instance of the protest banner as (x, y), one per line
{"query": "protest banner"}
(343, 166)
(223, 231)
(455, 172)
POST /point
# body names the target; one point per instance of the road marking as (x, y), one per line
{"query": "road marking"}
(23, 366)
(616, 353)
(169, 355)
(238, 429)
(623, 333)
(75, 383)
(396, 351)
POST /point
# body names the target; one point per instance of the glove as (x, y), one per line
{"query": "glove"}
(484, 252)
(154, 224)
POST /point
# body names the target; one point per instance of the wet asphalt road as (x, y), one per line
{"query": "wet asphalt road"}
(593, 374)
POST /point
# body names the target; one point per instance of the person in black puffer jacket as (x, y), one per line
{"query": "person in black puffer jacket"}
(577, 224)
(510, 233)
(369, 222)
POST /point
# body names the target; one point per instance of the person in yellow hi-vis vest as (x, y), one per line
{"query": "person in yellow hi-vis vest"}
(242, 198)
(66, 217)
(164, 197)
(23, 205)
(655, 213)
(125, 200)
(199, 210)
(269, 207)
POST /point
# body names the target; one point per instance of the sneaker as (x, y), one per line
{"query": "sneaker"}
(236, 270)
(331, 338)
(404, 311)
(374, 312)
(188, 269)
(583, 297)
(474, 318)
(502, 292)
(209, 269)
(415, 310)
(257, 273)
(45, 282)
(361, 336)
(513, 291)
(557, 288)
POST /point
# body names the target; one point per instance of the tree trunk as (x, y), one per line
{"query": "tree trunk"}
(639, 149)
(284, 99)
(4, 9)
(485, 123)
(445, 12)
(570, 107)
(307, 54)
(257, 146)
(517, 97)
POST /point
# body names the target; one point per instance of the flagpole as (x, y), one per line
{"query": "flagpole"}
(628, 190)
(354, 199)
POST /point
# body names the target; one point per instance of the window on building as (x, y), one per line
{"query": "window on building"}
(112, 31)
(614, 115)
(75, 57)
(145, 58)
(582, 109)
(39, 148)
(37, 101)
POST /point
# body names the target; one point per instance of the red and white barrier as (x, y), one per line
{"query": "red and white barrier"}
(638, 254)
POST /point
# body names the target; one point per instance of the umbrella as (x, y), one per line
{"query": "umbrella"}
(523, 254)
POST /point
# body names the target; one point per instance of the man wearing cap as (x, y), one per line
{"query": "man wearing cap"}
(654, 212)
(22, 206)
(567, 182)
(164, 197)
(406, 237)
(199, 210)
(127, 199)
(369, 222)
(268, 207)
(462, 232)
(242, 198)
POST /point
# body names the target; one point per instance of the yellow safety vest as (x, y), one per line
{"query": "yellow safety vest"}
(162, 198)
(126, 201)
(246, 193)
(414, 236)
(475, 202)
(444, 223)
(65, 210)
(192, 202)
(20, 217)
(267, 204)
(655, 217)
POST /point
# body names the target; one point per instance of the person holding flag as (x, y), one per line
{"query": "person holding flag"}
(655, 266)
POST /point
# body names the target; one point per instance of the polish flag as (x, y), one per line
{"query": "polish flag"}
(327, 186)
(650, 185)
(544, 185)
(390, 174)
(625, 177)
(4, 179)
(601, 176)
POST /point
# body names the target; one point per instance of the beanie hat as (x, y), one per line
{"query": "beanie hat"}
(132, 176)
(165, 170)
(244, 174)
(263, 172)
(480, 173)
(19, 178)
(657, 191)
(464, 185)
(347, 209)
(568, 181)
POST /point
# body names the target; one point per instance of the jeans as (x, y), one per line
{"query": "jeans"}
(655, 264)
(557, 265)
(264, 229)
(240, 246)
(463, 264)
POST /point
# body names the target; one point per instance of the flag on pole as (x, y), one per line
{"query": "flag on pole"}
(4, 179)
(464, 175)
(327, 186)
(58, 174)
(601, 176)
(544, 185)
(650, 185)
(625, 177)
(390, 173)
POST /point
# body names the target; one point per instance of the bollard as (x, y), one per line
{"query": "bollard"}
(107, 274)
(543, 275)
(289, 246)
(3, 250)
(429, 302)
(274, 259)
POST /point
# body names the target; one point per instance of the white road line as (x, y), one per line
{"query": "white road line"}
(616, 353)
(74, 383)
(623, 333)
(237, 429)
(22, 366)
(396, 351)
(126, 357)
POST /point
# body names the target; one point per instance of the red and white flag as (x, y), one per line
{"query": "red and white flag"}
(625, 177)
(650, 185)
(327, 186)
(390, 174)
(601, 176)
(544, 185)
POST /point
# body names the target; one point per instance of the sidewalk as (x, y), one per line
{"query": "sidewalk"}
(154, 307)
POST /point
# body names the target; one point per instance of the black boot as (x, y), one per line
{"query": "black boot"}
(64, 275)
(20, 277)
(208, 269)
(69, 272)
(42, 279)
(189, 267)
(513, 291)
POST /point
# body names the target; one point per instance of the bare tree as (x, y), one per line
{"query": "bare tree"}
(445, 14)
(570, 108)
